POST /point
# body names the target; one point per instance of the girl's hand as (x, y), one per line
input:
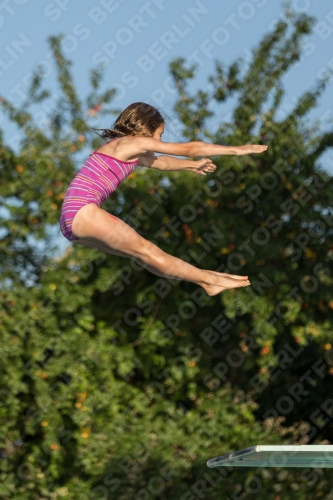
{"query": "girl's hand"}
(249, 149)
(203, 167)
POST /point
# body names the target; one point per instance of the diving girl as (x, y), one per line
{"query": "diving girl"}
(134, 140)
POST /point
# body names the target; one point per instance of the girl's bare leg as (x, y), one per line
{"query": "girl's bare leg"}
(95, 228)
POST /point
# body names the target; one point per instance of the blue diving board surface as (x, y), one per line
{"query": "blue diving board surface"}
(316, 456)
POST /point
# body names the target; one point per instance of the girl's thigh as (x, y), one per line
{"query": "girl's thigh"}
(96, 228)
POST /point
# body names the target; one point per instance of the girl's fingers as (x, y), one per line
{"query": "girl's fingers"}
(205, 166)
(253, 148)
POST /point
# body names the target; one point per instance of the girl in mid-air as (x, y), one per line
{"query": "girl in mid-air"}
(134, 140)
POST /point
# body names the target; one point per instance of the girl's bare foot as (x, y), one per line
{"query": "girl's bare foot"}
(220, 282)
(234, 276)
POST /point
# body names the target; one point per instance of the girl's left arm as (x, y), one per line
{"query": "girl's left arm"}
(170, 163)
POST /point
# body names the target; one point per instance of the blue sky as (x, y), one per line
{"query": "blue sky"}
(136, 40)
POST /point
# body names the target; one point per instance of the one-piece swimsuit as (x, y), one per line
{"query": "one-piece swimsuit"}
(98, 178)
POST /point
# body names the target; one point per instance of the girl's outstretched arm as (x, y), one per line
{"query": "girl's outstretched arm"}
(170, 163)
(134, 146)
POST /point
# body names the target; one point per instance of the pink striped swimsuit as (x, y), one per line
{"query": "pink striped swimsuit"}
(95, 181)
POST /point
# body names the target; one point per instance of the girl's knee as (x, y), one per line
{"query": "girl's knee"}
(146, 247)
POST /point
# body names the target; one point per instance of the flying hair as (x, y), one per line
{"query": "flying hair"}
(138, 118)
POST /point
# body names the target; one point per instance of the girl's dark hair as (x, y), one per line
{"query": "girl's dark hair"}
(137, 119)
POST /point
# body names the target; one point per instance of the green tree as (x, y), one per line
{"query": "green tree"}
(33, 179)
(118, 384)
(284, 202)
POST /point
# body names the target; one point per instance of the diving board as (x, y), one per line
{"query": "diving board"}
(316, 456)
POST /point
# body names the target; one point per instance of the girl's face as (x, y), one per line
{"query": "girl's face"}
(158, 132)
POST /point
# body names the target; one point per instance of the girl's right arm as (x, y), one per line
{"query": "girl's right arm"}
(137, 145)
